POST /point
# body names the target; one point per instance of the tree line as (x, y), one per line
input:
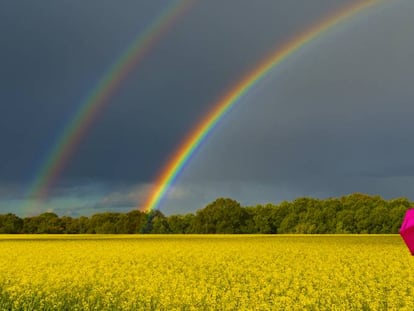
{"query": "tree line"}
(355, 213)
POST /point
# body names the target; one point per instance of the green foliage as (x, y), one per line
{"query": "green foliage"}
(44, 223)
(179, 224)
(10, 223)
(355, 213)
(220, 216)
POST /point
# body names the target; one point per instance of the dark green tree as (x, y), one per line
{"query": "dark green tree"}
(221, 216)
(10, 223)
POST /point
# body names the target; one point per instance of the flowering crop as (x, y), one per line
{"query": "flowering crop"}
(190, 272)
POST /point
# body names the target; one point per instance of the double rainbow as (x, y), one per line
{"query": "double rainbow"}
(196, 137)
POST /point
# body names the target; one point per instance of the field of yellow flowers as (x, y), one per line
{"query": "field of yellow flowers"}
(222, 272)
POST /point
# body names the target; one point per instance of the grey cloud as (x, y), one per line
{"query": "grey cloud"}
(10, 191)
(60, 52)
(329, 122)
(334, 118)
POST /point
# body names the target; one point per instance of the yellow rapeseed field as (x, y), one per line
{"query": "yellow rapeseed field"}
(170, 272)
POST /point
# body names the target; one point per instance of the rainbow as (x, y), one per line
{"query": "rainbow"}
(94, 103)
(182, 155)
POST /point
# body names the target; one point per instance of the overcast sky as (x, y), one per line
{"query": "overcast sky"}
(334, 118)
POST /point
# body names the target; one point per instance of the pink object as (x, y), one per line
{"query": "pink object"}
(407, 229)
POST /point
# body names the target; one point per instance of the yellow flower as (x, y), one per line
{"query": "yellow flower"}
(246, 272)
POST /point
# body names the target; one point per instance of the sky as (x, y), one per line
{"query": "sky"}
(333, 119)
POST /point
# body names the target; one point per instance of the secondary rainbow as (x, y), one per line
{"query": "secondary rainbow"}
(88, 110)
(187, 148)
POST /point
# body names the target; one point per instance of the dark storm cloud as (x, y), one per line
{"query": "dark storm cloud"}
(53, 54)
(179, 81)
(10, 191)
(335, 121)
